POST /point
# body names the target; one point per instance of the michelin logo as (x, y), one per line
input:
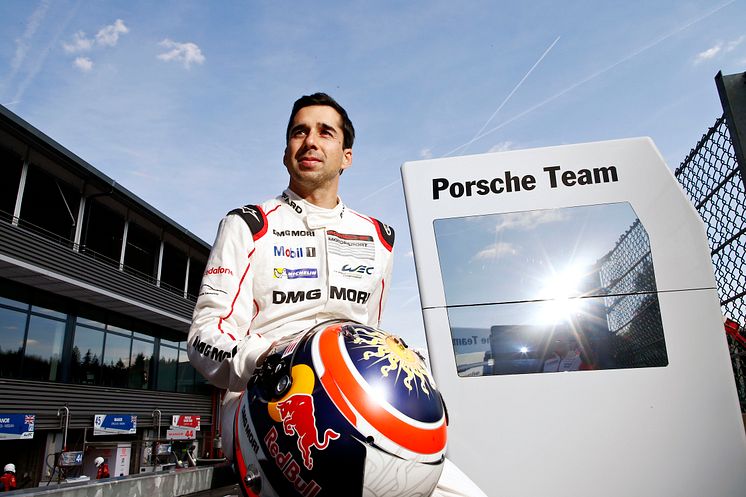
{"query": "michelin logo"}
(292, 274)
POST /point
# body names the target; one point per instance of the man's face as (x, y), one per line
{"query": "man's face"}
(314, 155)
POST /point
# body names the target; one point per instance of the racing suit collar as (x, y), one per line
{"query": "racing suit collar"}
(314, 216)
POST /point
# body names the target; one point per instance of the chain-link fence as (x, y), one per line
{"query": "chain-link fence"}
(632, 310)
(711, 176)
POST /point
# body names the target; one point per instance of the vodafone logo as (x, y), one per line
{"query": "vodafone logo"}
(218, 270)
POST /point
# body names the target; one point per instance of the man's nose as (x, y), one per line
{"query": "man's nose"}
(310, 141)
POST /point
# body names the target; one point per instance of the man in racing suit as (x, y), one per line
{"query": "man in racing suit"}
(291, 262)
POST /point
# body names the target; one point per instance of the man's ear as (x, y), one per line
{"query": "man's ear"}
(346, 159)
(285, 157)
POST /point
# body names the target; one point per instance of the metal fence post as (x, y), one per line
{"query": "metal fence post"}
(732, 91)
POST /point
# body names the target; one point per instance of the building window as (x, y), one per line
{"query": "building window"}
(168, 361)
(185, 376)
(43, 349)
(12, 331)
(86, 357)
(33, 337)
(116, 360)
(140, 361)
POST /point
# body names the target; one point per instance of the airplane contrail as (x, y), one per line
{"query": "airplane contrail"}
(605, 69)
(505, 101)
(637, 52)
(476, 135)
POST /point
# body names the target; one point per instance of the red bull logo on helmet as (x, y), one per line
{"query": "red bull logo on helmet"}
(299, 417)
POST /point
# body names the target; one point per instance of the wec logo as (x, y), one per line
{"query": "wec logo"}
(357, 269)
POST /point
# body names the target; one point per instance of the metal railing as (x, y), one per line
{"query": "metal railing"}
(21, 223)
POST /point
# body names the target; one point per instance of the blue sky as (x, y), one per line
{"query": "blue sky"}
(185, 103)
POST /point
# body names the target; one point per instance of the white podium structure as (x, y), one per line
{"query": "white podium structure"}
(573, 324)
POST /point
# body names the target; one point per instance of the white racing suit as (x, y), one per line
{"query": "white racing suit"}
(277, 269)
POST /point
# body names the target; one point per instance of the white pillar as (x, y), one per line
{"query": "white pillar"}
(21, 188)
(160, 263)
(186, 276)
(124, 244)
(79, 224)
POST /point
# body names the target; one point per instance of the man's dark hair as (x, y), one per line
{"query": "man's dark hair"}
(323, 99)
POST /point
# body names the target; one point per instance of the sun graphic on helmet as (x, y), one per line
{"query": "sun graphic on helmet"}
(404, 361)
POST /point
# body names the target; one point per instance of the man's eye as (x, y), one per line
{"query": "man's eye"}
(299, 132)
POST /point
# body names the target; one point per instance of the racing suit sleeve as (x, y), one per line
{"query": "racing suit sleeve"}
(378, 299)
(219, 345)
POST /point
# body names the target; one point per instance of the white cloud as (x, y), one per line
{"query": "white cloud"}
(495, 251)
(186, 53)
(108, 36)
(528, 220)
(79, 43)
(501, 147)
(426, 153)
(719, 48)
(83, 63)
(708, 54)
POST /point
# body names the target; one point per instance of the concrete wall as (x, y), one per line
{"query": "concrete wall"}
(172, 483)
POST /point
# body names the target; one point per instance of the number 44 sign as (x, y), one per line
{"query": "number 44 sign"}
(183, 427)
(181, 434)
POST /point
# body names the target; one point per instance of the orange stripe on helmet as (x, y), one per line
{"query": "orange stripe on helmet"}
(343, 387)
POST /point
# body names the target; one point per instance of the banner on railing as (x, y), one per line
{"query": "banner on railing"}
(114, 424)
(17, 426)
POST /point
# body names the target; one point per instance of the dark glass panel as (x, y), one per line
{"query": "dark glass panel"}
(48, 312)
(43, 349)
(14, 303)
(86, 357)
(167, 365)
(12, 330)
(116, 361)
(185, 377)
(90, 322)
(140, 360)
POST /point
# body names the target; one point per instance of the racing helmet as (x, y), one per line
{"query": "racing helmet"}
(98, 461)
(10, 468)
(340, 409)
